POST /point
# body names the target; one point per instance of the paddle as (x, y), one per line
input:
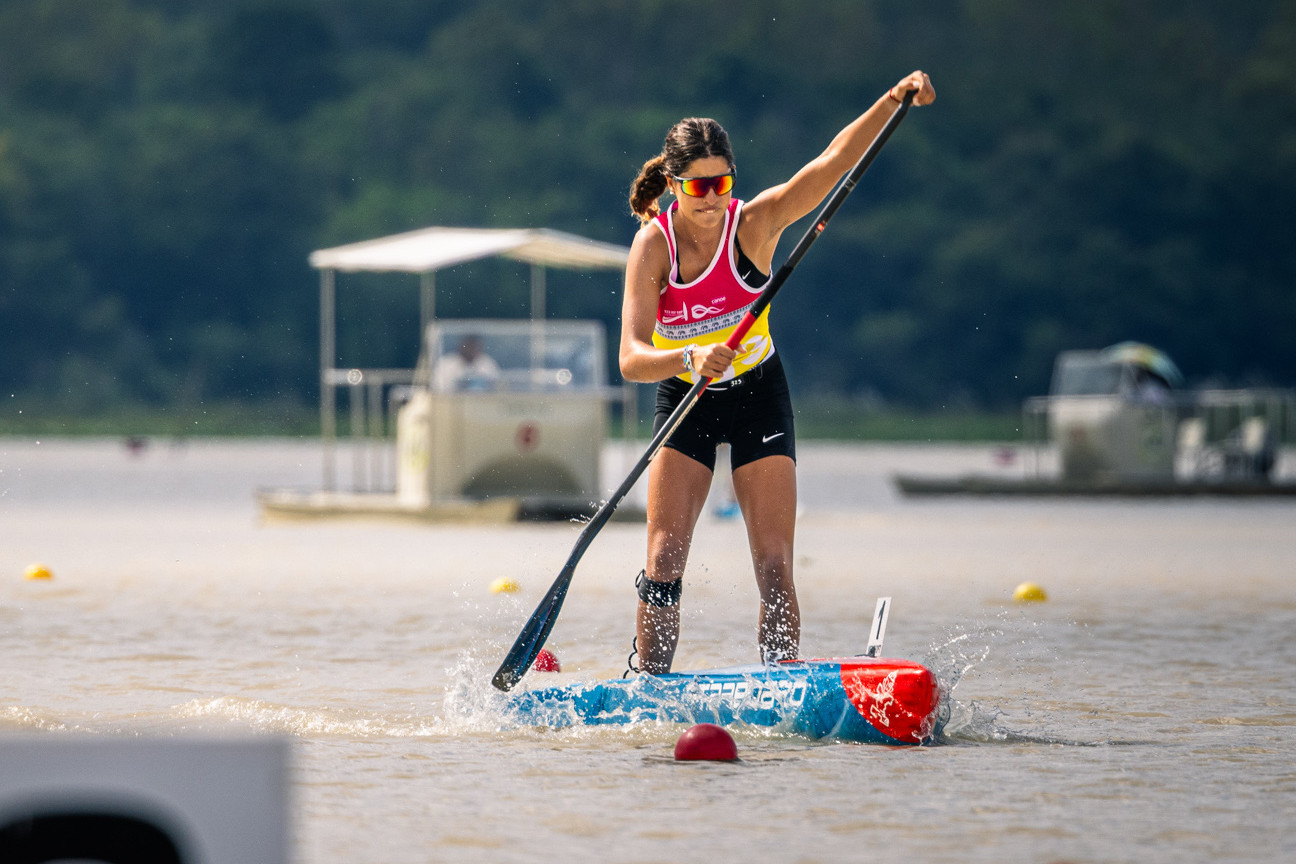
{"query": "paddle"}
(536, 631)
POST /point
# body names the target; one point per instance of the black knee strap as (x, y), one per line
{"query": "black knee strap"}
(656, 593)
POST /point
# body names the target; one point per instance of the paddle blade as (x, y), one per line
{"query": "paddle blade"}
(532, 638)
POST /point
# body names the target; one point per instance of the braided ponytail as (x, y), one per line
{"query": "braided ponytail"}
(647, 188)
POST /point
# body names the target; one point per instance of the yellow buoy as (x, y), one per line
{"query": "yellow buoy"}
(38, 571)
(504, 585)
(1029, 592)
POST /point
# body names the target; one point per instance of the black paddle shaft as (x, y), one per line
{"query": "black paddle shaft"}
(532, 638)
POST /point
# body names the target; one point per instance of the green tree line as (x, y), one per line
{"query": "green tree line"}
(1091, 172)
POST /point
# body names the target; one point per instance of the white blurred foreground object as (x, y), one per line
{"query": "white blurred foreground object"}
(196, 801)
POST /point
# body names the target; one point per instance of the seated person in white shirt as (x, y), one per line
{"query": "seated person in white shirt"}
(469, 368)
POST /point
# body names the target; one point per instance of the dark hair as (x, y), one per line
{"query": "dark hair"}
(689, 140)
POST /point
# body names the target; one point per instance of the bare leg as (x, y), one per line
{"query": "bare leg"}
(766, 491)
(677, 490)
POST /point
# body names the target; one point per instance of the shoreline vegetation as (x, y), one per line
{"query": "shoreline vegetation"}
(167, 168)
(820, 420)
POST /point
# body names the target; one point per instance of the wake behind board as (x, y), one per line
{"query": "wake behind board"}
(865, 699)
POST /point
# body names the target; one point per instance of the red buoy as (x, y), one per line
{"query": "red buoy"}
(546, 661)
(706, 741)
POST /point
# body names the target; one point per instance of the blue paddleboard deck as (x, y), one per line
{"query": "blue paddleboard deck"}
(865, 699)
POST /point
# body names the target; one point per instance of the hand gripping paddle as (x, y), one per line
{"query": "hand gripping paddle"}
(536, 631)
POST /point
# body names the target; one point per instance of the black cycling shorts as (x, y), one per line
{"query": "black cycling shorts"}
(752, 413)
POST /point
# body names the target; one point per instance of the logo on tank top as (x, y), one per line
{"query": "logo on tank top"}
(699, 310)
(752, 350)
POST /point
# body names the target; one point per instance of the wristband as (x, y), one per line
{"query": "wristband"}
(891, 93)
(688, 358)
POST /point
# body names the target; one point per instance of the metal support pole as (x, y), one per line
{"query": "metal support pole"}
(328, 400)
(537, 317)
(377, 431)
(537, 292)
(427, 302)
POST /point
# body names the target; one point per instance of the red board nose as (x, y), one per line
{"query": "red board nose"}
(897, 697)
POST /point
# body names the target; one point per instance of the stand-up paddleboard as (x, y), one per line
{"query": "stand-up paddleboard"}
(866, 699)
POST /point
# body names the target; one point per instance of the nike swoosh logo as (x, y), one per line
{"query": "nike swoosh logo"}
(769, 438)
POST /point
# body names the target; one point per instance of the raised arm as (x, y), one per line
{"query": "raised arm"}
(766, 216)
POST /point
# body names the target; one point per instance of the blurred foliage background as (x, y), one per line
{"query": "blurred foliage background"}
(1091, 172)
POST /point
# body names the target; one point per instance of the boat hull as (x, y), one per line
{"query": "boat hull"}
(864, 699)
(972, 484)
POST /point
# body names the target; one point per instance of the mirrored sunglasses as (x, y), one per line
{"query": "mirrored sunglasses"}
(697, 187)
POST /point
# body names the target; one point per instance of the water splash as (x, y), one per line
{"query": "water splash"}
(308, 722)
(977, 724)
(470, 703)
(18, 717)
(974, 722)
(960, 654)
(949, 661)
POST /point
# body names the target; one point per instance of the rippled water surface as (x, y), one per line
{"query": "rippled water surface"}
(1145, 712)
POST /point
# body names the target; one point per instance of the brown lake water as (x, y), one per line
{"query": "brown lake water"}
(1145, 712)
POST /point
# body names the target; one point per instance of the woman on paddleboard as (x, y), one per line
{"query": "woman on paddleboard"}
(693, 271)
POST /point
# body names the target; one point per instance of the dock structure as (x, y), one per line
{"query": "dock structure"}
(502, 419)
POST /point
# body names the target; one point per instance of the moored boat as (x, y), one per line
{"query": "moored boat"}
(1119, 423)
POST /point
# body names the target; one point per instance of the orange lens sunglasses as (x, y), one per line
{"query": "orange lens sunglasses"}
(697, 187)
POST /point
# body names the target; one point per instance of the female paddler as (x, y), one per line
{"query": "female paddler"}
(693, 271)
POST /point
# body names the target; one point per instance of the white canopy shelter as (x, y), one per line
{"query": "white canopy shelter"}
(431, 249)
(424, 252)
